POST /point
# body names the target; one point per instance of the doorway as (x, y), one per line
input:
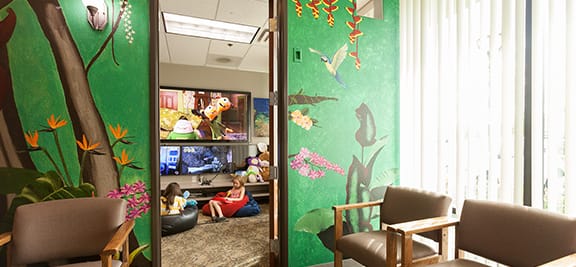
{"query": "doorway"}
(219, 67)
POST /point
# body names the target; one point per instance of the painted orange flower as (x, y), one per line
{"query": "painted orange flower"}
(85, 145)
(56, 123)
(118, 132)
(123, 160)
(32, 138)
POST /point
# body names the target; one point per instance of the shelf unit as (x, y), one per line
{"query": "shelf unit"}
(221, 183)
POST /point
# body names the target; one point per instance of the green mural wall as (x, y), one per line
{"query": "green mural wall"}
(95, 84)
(343, 82)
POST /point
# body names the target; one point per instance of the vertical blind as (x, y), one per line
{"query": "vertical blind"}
(462, 93)
(553, 83)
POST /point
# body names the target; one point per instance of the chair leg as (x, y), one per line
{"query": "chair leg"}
(337, 258)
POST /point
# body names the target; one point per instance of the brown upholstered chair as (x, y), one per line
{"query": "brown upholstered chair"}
(512, 235)
(400, 204)
(58, 230)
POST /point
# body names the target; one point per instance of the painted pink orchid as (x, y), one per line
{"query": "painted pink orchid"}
(137, 197)
(312, 165)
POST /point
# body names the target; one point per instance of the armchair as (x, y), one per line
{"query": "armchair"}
(512, 235)
(399, 204)
(58, 230)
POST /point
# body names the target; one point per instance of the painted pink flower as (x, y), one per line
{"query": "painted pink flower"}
(312, 165)
(136, 196)
(139, 187)
(133, 201)
(127, 189)
(114, 194)
(145, 197)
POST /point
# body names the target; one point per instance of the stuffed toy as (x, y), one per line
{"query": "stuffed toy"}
(253, 170)
(264, 161)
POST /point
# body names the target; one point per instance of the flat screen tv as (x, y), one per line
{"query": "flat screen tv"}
(205, 159)
(204, 115)
(169, 160)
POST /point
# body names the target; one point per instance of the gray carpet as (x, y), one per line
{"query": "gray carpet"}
(235, 242)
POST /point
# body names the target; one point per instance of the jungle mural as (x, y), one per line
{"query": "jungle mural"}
(343, 80)
(73, 81)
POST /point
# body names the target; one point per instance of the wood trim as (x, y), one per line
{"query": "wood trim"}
(5, 238)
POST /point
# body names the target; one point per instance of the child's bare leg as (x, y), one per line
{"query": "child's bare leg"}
(212, 203)
(218, 209)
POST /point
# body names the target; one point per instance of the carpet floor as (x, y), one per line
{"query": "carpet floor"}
(234, 242)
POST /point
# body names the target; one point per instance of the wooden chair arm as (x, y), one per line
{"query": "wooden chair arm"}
(566, 261)
(5, 238)
(338, 231)
(356, 206)
(424, 225)
(405, 231)
(119, 240)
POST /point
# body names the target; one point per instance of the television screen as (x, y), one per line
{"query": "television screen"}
(169, 160)
(205, 159)
(204, 115)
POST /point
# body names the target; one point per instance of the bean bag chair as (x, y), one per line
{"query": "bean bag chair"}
(172, 224)
(228, 208)
(250, 209)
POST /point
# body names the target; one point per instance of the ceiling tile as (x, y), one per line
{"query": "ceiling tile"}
(236, 11)
(196, 8)
(178, 49)
(187, 50)
(227, 62)
(227, 48)
(256, 59)
(163, 54)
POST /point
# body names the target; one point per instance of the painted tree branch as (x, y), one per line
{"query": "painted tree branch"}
(109, 37)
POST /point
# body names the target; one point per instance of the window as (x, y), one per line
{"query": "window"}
(462, 110)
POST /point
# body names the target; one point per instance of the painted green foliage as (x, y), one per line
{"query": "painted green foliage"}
(114, 70)
(343, 117)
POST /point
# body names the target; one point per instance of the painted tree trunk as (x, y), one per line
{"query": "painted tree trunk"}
(11, 133)
(101, 171)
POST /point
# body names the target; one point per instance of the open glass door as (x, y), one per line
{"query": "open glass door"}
(273, 133)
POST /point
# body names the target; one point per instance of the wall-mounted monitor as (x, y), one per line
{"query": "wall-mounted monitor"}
(201, 159)
(204, 115)
(205, 159)
(169, 160)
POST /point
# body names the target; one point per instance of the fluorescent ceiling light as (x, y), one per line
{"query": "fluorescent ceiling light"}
(206, 28)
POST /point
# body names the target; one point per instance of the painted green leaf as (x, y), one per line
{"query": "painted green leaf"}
(315, 221)
(356, 172)
(47, 187)
(12, 180)
(136, 252)
(386, 177)
(365, 135)
(367, 179)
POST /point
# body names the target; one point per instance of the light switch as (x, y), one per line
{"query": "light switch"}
(297, 55)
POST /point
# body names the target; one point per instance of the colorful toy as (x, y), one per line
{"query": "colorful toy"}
(253, 170)
(264, 157)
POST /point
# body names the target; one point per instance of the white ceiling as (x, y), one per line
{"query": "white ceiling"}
(185, 50)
